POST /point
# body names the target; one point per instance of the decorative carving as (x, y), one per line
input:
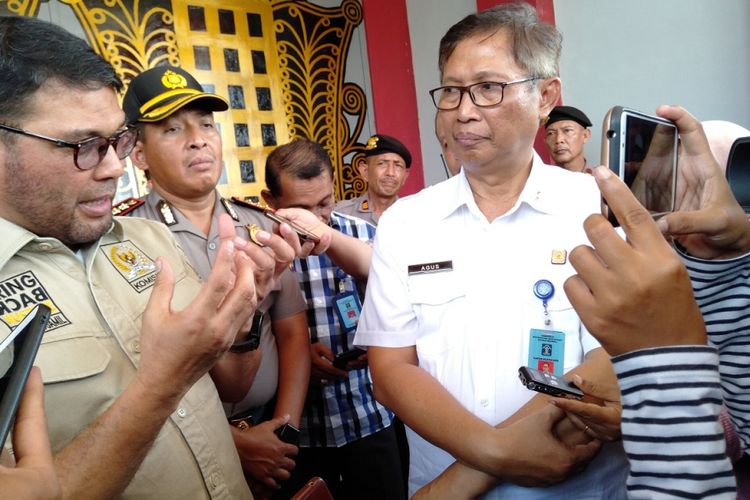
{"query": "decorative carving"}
(318, 104)
(28, 8)
(311, 43)
(132, 35)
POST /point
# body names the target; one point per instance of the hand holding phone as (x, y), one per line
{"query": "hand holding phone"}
(642, 150)
(548, 383)
(344, 358)
(17, 353)
(288, 433)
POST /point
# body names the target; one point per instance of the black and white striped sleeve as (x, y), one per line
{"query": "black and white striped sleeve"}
(722, 290)
(671, 399)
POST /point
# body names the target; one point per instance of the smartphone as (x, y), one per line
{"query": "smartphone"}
(303, 234)
(343, 358)
(642, 150)
(738, 171)
(288, 433)
(548, 383)
(17, 353)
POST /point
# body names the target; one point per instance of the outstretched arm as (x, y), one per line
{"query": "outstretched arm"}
(177, 348)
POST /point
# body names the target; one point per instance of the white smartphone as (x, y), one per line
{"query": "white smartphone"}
(642, 150)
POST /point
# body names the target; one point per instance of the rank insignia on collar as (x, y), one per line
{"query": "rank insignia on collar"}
(365, 205)
(126, 206)
(135, 266)
(167, 215)
(559, 257)
(230, 209)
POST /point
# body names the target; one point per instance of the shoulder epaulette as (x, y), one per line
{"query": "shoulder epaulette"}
(126, 206)
(230, 209)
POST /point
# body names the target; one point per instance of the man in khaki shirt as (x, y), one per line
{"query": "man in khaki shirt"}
(385, 167)
(133, 332)
(180, 150)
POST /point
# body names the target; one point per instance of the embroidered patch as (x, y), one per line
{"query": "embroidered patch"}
(137, 268)
(19, 294)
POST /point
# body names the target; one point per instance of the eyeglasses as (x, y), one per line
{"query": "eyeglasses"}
(482, 94)
(90, 152)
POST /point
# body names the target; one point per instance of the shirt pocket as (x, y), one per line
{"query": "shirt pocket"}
(438, 300)
(71, 357)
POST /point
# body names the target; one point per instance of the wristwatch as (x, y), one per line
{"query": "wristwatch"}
(251, 341)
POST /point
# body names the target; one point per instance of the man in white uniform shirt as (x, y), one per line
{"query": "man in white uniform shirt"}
(466, 282)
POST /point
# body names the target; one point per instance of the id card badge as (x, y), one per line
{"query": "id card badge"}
(347, 307)
(547, 351)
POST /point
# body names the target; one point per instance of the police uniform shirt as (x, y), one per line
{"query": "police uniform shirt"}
(91, 349)
(460, 289)
(285, 299)
(358, 207)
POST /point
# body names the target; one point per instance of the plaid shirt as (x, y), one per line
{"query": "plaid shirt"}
(343, 410)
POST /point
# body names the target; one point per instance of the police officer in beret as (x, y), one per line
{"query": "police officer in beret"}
(385, 168)
(567, 130)
(180, 149)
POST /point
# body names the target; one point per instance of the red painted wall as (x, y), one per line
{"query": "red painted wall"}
(394, 97)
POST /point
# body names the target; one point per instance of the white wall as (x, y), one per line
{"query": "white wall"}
(428, 22)
(639, 53)
(642, 53)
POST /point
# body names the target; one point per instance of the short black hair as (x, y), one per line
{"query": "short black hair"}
(32, 52)
(301, 158)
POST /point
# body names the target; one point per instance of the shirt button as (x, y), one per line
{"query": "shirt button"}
(484, 402)
(181, 412)
(314, 274)
(317, 301)
(214, 480)
(212, 246)
(136, 346)
(45, 247)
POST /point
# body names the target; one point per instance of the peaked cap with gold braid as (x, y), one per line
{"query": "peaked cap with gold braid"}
(158, 92)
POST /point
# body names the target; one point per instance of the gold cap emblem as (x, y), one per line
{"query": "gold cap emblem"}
(173, 80)
(372, 142)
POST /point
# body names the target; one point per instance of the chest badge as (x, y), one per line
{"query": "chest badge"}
(559, 256)
(132, 264)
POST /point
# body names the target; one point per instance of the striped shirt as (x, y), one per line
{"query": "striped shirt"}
(343, 410)
(722, 289)
(671, 400)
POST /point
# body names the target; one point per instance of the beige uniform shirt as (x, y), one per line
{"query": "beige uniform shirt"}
(358, 207)
(91, 349)
(285, 299)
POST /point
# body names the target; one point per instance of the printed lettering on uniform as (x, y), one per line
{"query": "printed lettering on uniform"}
(132, 264)
(430, 267)
(19, 294)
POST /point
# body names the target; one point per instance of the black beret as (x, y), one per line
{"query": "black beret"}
(158, 92)
(560, 113)
(380, 143)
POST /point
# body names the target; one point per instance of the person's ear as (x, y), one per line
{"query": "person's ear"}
(586, 135)
(550, 90)
(362, 168)
(269, 199)
(138, 156)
